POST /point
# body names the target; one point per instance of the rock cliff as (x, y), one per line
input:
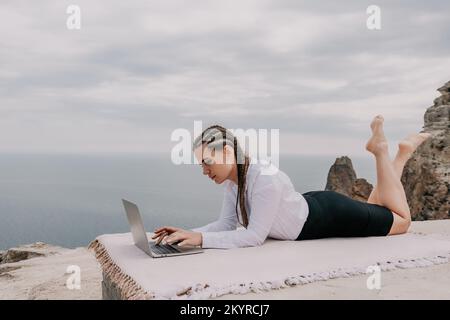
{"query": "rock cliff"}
(426, 176)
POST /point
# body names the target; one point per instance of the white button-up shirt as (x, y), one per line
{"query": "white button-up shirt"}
(273, 206)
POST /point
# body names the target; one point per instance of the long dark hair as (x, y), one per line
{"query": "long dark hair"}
(215, 136)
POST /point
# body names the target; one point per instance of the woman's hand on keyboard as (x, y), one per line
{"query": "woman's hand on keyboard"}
(162, 232)
(189, 238)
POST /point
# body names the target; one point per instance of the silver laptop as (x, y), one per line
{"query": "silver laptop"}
(151, 248)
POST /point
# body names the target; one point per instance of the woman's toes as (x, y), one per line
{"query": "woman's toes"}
(377, 123)
(413, 141)
(377, 143)
(425, 135)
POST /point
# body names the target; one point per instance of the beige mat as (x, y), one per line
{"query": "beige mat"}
(274, 265)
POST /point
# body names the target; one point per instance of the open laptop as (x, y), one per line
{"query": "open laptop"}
(151, 248)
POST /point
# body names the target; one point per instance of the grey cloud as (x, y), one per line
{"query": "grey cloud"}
(119, 69)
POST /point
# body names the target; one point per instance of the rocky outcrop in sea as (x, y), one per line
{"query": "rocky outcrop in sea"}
(342, 178)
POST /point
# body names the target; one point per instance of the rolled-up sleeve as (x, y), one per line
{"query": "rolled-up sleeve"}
(265, 201)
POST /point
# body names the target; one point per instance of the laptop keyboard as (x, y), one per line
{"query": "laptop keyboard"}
(163, 248)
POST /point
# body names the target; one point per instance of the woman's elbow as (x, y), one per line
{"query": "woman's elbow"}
(258, 241)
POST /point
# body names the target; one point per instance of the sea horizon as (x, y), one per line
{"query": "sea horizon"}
(69, 199)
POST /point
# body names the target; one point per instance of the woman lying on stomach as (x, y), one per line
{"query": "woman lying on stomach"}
(263, 200)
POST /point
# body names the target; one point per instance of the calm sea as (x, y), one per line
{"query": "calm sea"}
(68, 200)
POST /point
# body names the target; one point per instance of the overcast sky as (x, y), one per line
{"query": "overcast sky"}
(137, 70)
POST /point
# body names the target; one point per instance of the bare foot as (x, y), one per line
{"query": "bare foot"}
(408, 145)
(378, 142)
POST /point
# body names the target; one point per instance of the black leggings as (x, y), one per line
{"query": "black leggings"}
(332, 214)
